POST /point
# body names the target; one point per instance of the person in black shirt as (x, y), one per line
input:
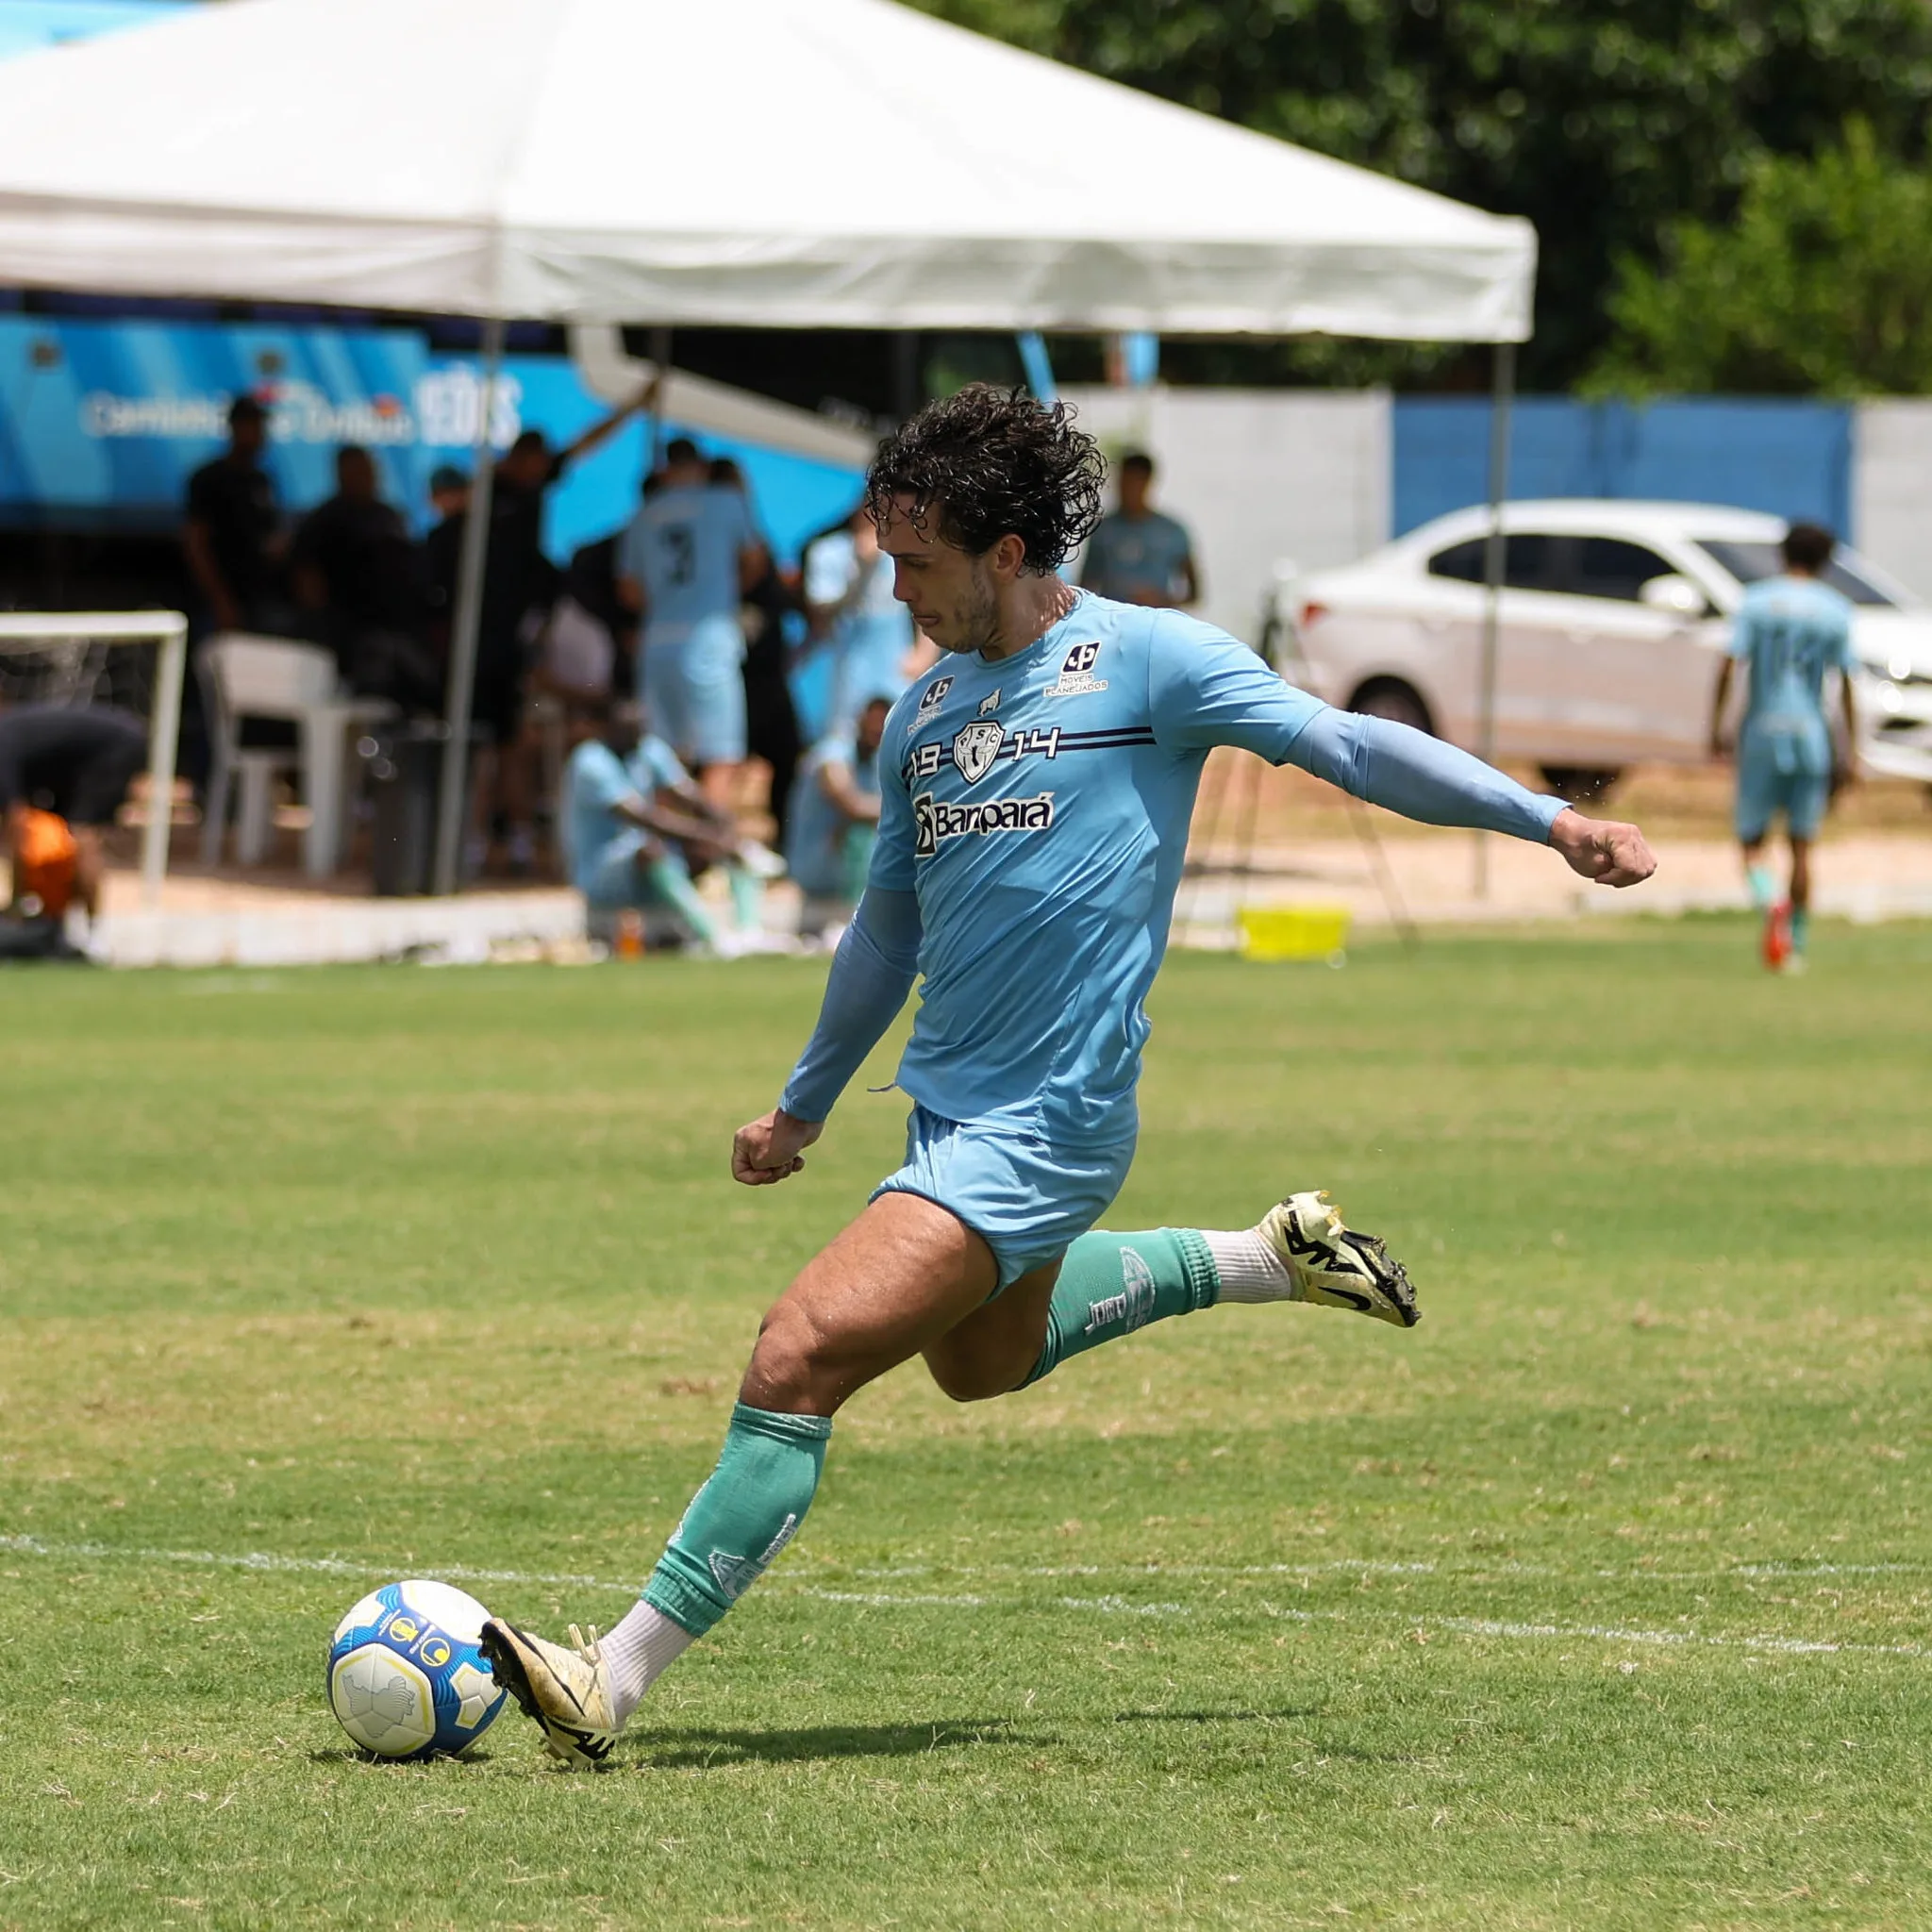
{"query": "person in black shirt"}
(232, 529)
(770, 721)
(356, 570)
(75, 761)
(520, 584)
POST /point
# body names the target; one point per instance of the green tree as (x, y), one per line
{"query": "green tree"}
(1603, 120)
(1823, 285)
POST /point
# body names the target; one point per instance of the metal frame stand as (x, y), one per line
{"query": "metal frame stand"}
(466, 621)
(1502, 394)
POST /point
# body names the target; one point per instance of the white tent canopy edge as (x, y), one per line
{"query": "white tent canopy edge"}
(567, 160)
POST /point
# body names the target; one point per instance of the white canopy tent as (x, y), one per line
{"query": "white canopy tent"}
(803, 163)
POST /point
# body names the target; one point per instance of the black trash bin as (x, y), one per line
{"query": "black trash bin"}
(404, 768)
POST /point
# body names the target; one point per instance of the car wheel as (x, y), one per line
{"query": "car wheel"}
(1580, 784)
(1388, 697)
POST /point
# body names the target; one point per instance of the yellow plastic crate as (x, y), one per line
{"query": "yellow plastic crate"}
(1293, 932)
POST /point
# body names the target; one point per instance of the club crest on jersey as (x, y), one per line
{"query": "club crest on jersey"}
(1076, 677)
(933, 696)
(977, 746)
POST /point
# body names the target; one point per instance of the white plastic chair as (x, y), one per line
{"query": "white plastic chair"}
(245, 677)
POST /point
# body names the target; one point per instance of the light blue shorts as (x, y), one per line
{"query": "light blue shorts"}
(1764, 792)
(693, 684)
(1026, 1198)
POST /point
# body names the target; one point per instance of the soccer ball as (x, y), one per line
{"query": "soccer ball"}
(405, 1675)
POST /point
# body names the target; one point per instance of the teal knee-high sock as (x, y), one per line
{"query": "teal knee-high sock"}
(1111, 1284)
(739, 1521)
(678, 893)
(747, 897)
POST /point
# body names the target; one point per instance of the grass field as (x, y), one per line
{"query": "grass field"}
(1604, 1599)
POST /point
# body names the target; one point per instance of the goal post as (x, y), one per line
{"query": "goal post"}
(68, 656)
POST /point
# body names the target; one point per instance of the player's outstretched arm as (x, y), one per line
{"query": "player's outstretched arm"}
(1423, 778)
(872, 973)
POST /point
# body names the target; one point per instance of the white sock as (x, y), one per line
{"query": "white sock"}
(638, 1652)
(1249, 1269)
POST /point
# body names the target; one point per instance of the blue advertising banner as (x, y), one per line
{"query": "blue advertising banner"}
(102, 423)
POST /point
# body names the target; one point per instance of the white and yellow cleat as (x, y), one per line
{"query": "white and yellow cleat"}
(1333, 1266)
(567, 1691)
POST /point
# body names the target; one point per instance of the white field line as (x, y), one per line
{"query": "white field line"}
(1349, 1566)
(258, 1561)
(311, 1566)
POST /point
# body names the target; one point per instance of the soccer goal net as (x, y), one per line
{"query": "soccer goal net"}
(133, 659)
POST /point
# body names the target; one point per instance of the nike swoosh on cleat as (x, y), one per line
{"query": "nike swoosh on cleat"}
(1361, 1303)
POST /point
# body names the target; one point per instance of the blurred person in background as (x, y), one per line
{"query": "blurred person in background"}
(849, 601)
(64, 774)
(835, 819)
(691, 553)
(1791, 631)
(767, 607)
(232, 538)
(356, 573)
(636, 827)
(582, 659)
(1137, 554)
(449, 497)
(520, 584)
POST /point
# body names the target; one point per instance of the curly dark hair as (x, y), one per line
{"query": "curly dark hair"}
(988, 461)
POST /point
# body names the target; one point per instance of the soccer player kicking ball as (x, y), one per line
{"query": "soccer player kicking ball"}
(1037, 788)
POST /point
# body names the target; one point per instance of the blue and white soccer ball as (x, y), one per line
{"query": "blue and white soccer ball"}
(405, 1677)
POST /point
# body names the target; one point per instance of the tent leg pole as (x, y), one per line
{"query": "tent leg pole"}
(467, 622)
(1503, 391)
(661, 355)
(163, 746)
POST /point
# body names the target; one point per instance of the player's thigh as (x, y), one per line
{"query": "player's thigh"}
(886, 1287)
(1759, 798)
(715, 701)
(1807, 797)
(661, 684)
(991, 1350)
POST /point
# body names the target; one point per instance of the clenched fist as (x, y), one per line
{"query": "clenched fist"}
(1603, 850)
(772, 1148)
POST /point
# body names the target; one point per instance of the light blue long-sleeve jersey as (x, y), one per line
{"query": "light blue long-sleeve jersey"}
(1791, 631)
(1033, 815)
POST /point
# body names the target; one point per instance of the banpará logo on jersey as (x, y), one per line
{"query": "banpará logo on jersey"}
(933, 696)
(934, 819)
(1076, 677)
(976, 747)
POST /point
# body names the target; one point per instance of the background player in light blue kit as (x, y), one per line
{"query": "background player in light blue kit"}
(834, 817)
(1036, 790)
(848, 597)
(1790, 632)
(685, 560)
(633, 823)
(1139, 555)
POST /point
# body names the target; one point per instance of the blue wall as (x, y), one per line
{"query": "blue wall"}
(1790, 458)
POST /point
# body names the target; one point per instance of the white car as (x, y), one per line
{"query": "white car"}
(1614, 618)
